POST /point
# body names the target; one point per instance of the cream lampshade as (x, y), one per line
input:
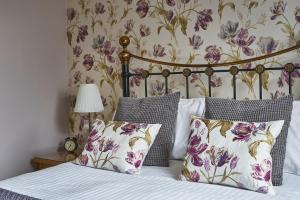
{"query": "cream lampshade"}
(88, 100)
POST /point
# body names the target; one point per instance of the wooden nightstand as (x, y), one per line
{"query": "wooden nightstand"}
(50, 160)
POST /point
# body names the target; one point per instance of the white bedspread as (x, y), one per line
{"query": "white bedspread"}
(69, 181)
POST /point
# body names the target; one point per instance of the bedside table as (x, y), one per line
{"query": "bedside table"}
(50, 160)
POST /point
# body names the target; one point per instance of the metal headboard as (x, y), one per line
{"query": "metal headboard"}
(208, 69)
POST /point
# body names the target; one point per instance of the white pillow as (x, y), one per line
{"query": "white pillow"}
(186, 109)
(292, 161)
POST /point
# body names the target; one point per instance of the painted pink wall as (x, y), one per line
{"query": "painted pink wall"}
(33, 81)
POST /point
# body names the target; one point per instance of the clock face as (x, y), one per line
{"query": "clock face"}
(70, 145)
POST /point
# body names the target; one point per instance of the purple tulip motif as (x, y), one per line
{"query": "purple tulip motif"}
(130, 128)
(77, 51)
(96, 143)
(220, 157)
(195, 176)
(277, 9)
(196, 160)
(195, 149)
(262, 171)
(277, 94)
(82, 33)
(243, 40)
(89, 146)
(194, 141)
(109, 146)
(98, 43)
(94, 135)
(99, 8)
(243, 131)
(142, 8)
(88, 62)
(197, 124)
(206, 165)
(157, 88)
(203, 19)
(195, 41)
(229, 31)
(135, 158)
(216, 81)
(158, 50)
(104, 48)
(144, 30)
(195, 77)
(108, 51)
(267, 44)
(262, 126)
(83, 160)
(284, 78)
(213, 54)
(233, 162)
(136, 80)
(171, 2)
(223, 157)
(240, 37)
(204, 159)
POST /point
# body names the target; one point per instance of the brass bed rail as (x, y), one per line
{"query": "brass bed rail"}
(209, 70)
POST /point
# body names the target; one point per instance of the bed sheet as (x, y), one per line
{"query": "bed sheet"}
(69, 181)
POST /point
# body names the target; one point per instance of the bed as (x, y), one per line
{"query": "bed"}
(71, 181)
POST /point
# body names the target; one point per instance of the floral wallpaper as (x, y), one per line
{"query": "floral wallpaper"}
(183, 31)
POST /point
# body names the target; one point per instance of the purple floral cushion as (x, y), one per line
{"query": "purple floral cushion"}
(118, 146)
(231, 153)
(257, 111)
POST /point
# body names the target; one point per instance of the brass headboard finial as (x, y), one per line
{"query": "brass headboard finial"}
(124, 55)
(124, 41)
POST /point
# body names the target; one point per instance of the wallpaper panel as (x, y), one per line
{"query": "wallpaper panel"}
(185, 31)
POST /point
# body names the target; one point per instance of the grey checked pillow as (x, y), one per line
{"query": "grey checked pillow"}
(257, 111)
(153, 110)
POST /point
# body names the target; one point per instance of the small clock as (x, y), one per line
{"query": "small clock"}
(70, 144)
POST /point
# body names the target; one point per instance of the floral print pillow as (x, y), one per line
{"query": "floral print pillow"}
(231, 153)
(118, 146)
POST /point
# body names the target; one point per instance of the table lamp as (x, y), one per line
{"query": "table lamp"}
(88, 100)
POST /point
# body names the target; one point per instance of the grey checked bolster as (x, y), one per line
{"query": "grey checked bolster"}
(153, 110)
(8, 195)
(257, 111)
(153, 159)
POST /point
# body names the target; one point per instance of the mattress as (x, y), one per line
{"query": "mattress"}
(70, 181)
